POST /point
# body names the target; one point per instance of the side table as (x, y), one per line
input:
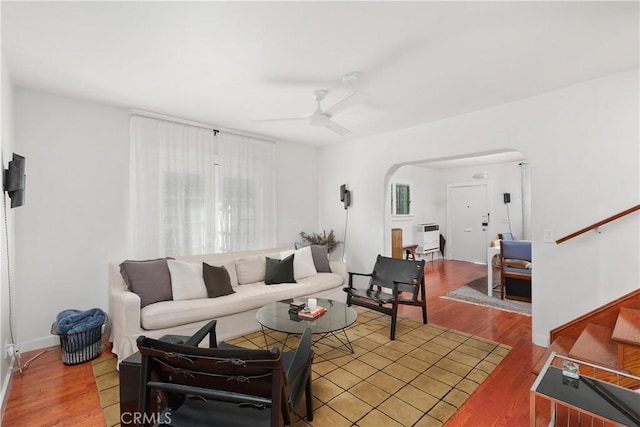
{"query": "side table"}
(129, 385)
(129, 374)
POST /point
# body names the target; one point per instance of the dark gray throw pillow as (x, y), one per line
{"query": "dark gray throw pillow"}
(279, 271)
(217, 280)
(320, 258)
(149, 279)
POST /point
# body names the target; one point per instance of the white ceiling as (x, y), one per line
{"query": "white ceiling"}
(230, 63)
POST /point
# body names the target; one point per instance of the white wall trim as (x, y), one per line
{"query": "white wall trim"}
(39, 344)
(4, 393)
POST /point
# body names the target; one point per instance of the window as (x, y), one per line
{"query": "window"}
(246, 185)
(401, 198)
(184, 204)
(196, 192)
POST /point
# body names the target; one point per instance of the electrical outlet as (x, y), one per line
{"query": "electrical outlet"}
(9, 351)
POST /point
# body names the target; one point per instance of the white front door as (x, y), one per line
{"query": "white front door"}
(468, 222)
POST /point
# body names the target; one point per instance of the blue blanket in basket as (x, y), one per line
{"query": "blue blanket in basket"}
(73, 321)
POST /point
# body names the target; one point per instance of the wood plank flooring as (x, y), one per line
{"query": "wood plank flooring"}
(51, 394)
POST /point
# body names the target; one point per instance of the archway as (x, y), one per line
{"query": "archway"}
(507, 170)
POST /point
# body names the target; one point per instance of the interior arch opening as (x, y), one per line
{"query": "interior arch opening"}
(470, 200)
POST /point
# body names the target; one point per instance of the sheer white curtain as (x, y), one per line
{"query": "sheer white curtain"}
(187, 199)
(247, 203)
(172, 188)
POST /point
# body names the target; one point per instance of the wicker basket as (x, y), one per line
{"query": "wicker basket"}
(80, 347)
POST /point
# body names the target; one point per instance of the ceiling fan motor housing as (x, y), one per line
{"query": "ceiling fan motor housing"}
(320, 94)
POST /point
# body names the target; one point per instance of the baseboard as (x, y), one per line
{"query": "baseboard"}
(38, 344)
(541, 340)
(4, 393)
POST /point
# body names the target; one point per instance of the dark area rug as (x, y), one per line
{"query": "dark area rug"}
(475, 292)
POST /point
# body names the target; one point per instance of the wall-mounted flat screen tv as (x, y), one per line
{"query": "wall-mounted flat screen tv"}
(15, 180)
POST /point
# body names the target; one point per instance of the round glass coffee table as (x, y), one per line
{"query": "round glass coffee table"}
(333, 322)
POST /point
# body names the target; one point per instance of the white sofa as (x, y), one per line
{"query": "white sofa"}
(235, 313)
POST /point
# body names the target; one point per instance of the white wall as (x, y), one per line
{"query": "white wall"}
(6, 146)
(297, 191)
(582, 146)
(75, 219)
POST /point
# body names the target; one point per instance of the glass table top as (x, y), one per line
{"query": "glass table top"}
(597, 403)
(276, 316)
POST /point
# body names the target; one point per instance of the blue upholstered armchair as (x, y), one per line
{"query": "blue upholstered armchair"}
(515, 281)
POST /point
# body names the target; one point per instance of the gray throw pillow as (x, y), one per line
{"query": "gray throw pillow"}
(319, 254)
(300, 245)
(217, 280)
(279, 271)
(320, 258)
(149, 279)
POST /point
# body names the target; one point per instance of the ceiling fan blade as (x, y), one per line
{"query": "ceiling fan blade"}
(347, 102)
(298, 81)
(285, 119)
(339, 129)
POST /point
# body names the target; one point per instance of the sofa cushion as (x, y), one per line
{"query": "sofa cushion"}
(149, 279)
(279, 271)
(186, 280)
(251, 296)
(216, 280)
(516, 249)
(517, 263)
(251, 270)
(302, 263)
(521, 271)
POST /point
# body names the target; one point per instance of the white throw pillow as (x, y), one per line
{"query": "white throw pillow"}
(186, 280)
(251, 270)
(303, 265)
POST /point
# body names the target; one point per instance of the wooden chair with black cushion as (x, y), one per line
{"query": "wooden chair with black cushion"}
(393, 282)
(515, 268)
(185, 385)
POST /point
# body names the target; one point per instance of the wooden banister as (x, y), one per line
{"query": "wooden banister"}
(598, 224)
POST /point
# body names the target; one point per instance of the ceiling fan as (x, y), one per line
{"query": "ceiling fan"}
(322, 117)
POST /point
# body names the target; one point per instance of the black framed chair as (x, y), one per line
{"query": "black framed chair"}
(392, 282)
(186, 385)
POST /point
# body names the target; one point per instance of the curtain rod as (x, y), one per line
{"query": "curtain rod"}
(215, 129)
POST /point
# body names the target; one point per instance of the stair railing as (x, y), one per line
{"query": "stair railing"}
(598, 224)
